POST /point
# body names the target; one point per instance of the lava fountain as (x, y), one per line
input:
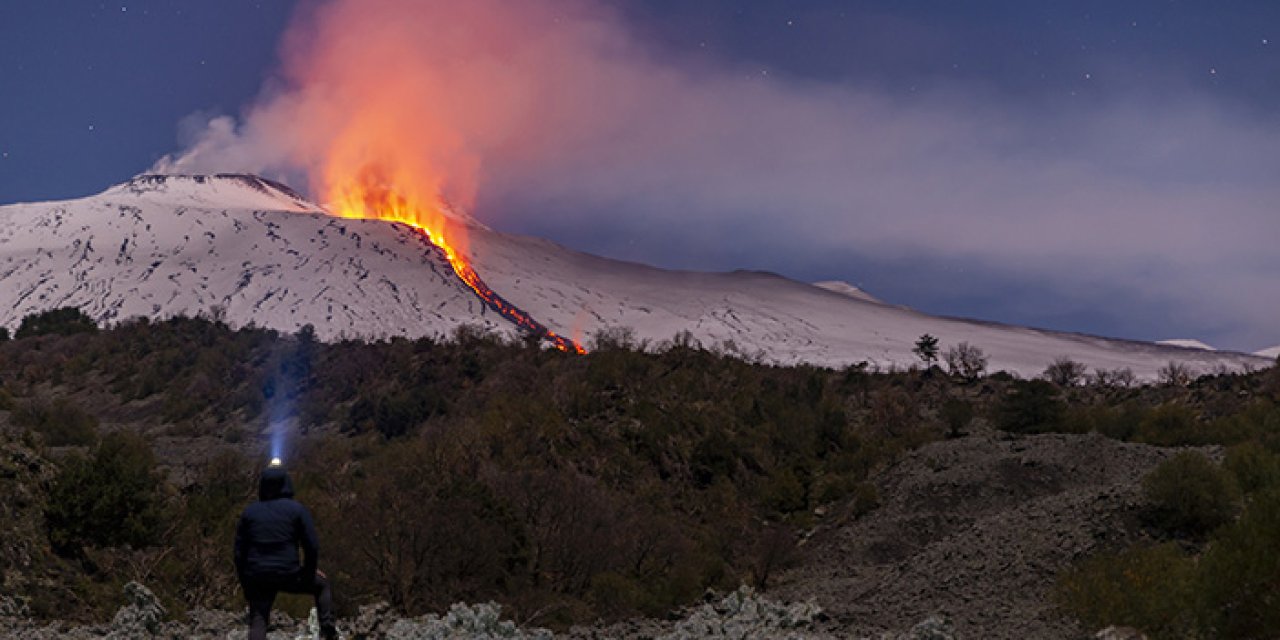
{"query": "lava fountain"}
(369, 196)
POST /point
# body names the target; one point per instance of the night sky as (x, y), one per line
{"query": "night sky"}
(1104, 167)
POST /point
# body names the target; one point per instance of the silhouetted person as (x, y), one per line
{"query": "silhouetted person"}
(268, 537)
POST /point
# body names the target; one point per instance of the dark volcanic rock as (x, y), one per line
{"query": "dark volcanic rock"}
(975, 530)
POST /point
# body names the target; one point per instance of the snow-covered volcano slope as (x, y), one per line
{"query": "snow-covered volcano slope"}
(162, 246)
(782, 320)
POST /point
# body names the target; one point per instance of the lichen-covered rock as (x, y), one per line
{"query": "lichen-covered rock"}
(1120, 633)
(462, 622)
(13, 607)
(745, 614)
(140, 617)
(931, 628)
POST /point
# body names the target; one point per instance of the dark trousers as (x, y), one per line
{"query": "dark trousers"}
(261, 594)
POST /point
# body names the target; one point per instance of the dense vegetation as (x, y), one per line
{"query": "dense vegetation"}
(568, 488)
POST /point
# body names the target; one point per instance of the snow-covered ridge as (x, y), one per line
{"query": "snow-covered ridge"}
(845, 289)
(223, 190)
(1272, 353)
(1187, 343)
(159, 246)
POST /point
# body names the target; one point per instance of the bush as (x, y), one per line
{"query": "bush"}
(957, 414)
(61, 422)
(112, 499)
(1253, 467)
(64, 321)
(1238, 574)
(1031, 407)
(1190, 495)
(1148, 588)
(1172, 424)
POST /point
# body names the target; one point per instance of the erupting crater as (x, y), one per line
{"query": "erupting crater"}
(370, 199)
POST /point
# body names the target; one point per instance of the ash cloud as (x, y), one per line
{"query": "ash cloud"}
(561, 107)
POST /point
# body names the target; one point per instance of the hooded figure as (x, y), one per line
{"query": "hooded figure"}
(268, 538)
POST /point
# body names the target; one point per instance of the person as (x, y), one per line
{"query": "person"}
(268, 537)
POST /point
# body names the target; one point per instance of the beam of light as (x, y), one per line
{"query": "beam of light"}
(277, 429)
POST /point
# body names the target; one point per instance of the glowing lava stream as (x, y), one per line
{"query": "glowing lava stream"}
(362, 203)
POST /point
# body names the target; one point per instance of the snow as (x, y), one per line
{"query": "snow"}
(1270, 353)
(844, 288)
(1187, 343)
(162, 246)
(777, 320)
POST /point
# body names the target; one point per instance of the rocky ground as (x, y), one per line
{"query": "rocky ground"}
(966, 542)
(973, 531)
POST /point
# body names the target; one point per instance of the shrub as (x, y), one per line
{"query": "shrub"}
(61, 422)
(1238, 574)
(1148, 588)
(1172, 424)
(1031, 407)
(1190, 495)
(112, 499)
(63, 321)
(957, 414)
(1253, 467)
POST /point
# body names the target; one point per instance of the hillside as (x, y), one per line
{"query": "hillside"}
(573, 489)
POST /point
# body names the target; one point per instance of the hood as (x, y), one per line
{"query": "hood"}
(274, 484)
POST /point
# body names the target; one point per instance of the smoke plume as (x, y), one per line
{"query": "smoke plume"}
(559, 107)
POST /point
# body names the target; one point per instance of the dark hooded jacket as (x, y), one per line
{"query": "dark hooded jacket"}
(271, 530)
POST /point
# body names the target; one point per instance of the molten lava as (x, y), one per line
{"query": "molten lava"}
(370, 198)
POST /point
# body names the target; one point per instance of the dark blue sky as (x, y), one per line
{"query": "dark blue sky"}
(93, 93)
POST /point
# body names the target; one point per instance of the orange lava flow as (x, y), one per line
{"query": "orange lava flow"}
(368, 200)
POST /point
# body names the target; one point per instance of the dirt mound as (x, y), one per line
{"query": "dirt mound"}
(974, 530)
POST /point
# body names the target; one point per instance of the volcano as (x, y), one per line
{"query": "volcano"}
(260, 253)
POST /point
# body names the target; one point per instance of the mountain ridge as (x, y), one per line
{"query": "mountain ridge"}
(165, 245)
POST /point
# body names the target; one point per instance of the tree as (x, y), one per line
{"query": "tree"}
(1175, 374)
(1065, 372)
(4, 334)
(1114, 378)
(966, 361)
(926, 349)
